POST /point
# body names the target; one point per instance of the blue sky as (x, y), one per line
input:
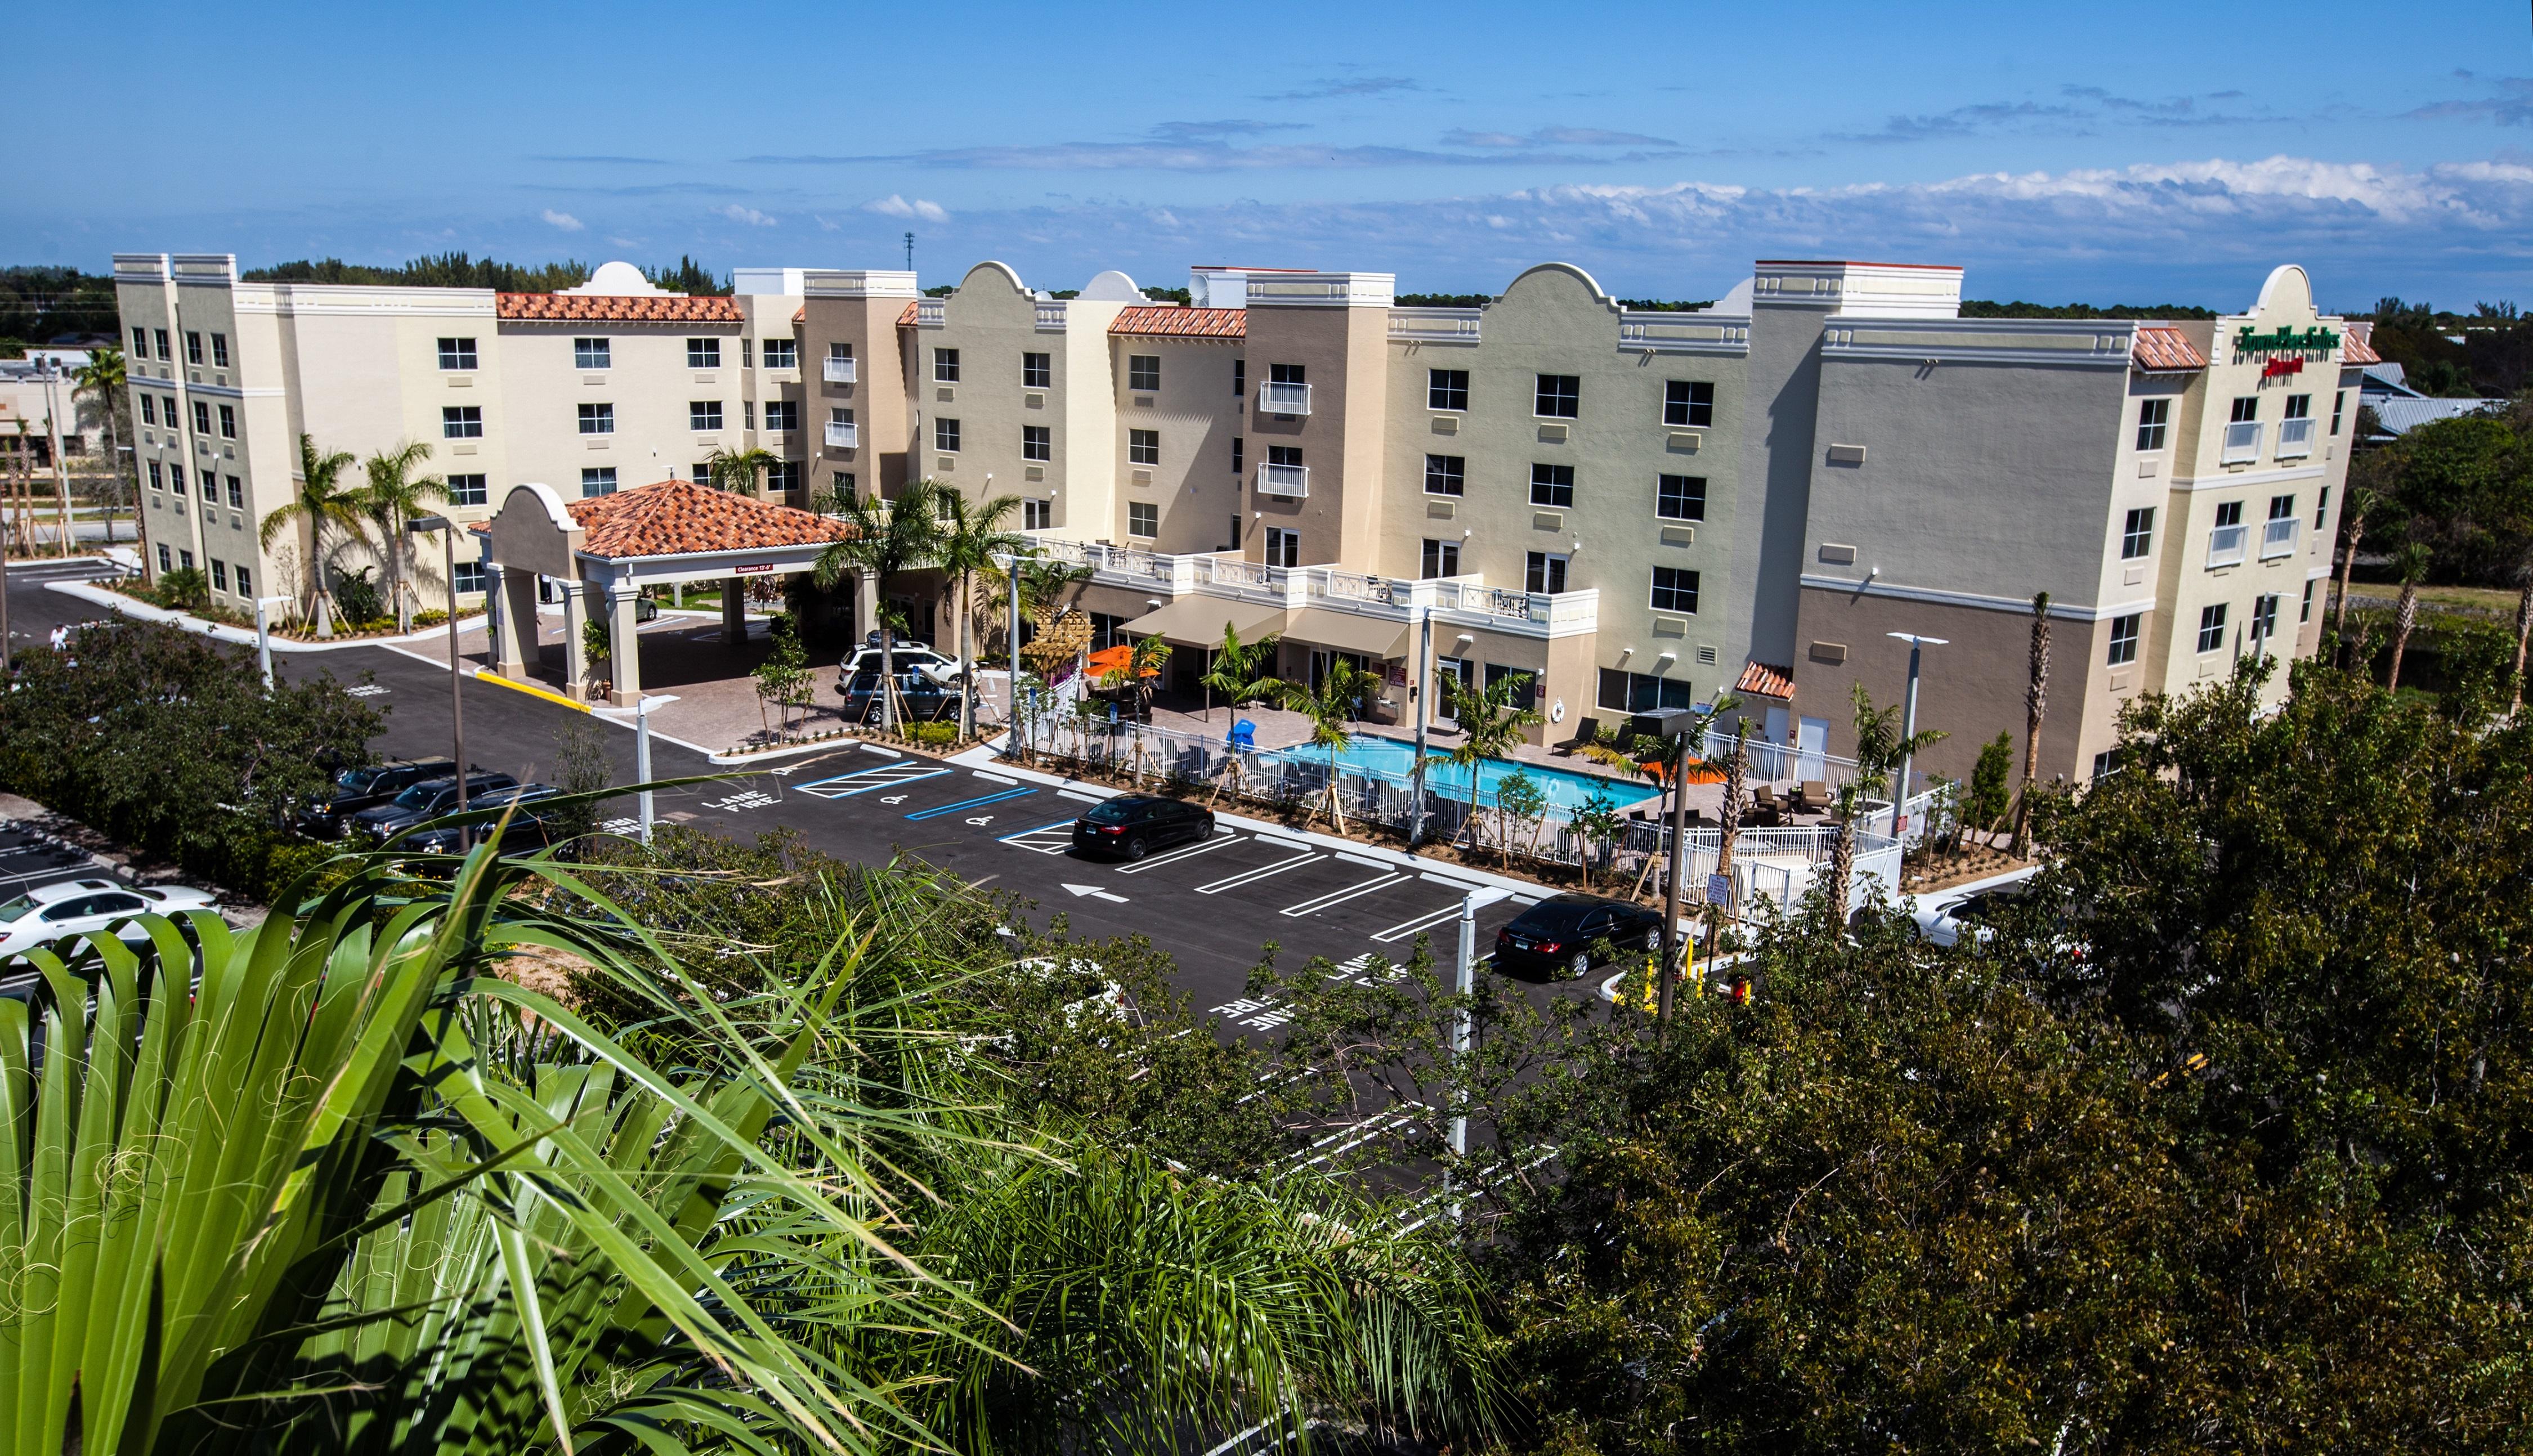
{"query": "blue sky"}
(2145, 152)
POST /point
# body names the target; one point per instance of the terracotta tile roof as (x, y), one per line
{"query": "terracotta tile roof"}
(2162, 349)
(674, 517)
(1177, 320)
(1766, 682)
(2357, 347)
(800, 314)
(907, 319)
(609, 309)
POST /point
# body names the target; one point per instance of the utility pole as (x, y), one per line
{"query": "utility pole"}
(61, 470)
(1908, 727)
(1462, 1031)
(910, 252)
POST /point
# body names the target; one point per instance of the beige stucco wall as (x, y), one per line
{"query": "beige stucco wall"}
(1195, 413)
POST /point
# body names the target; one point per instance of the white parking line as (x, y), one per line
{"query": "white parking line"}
(1340, 897)
(1277, 868)
(1406, 928)
(1190, 852)
(990, 778)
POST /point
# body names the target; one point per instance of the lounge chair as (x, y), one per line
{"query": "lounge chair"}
(1812, 797)
(1764, 806)
(1587, 729)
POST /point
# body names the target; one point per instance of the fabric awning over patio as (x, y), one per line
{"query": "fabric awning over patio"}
(1378, 637)
(1198, 621)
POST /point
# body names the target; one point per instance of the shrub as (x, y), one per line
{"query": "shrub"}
(357, 598)
(933, 734)
(184, 589)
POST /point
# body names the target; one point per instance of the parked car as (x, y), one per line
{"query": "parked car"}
(1559, 935)
(361, 788)
(1948, 917)
(905, 655)
(426, 801)
(920, 699)
(1133, 825)
(526, 829)
(76, 906)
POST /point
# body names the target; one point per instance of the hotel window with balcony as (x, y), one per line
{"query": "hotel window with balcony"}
(1447, 390)
(1142, 518)
(782, 415)
(945, 436)
(703, 415)
(2243, 432)
(1679, 498)
(1553, 485)
(2212, 628)
(2125, 632)
(2295, 432)
(1144, 373)
(202, 418)
(1037, 372)
(2155, 417)
(840, 363)
(945, 366)
(1036, 514)
(781, 353)
(598, 480)
(1446, 474)
(467, 490)
(1239, 377)
(597, 419)
(1283, 547)
(1675, 590)
(219, 351)
(2278, 534)
(1037, 442)
(1284, 474)
(1558, 397)
(1287, 392)
(2137, 536)
(193, 347)
(1143, 447)
(1688, 403)
(1544, 571)
(592, 354)
(458, 355)
(2225, 541)
(229, 422)
(703, 353)
(1441, 558)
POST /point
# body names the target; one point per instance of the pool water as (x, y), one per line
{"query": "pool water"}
(1566, 792)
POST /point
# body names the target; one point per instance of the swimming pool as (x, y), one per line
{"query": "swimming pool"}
(1566, 791)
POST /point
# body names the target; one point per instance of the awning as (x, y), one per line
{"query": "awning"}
(1377, 637)
(1198, 621)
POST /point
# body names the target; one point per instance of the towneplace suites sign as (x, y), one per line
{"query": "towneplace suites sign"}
(2284, 341)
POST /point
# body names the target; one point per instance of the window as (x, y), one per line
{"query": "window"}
(229, 422)
(1037, 372)
(461, 421)
(193, 347)
(2124, 638)
(2246, 409)
(1498, 673)
(2104, 767)
(1289, 456)
(782, 414)
(1681, 497)
(246, 584)
(2155, 417)
(237, 493)
(1544, 572)
(1552, 485)
(1689, 402)
(1441, 558)
(2338, 406)
(598, 480)
(470, 578)
(1143, 447)
(1286, 374)
(747, 360)
(703, 414)
(840, 349)
(2281, 508)
(1142, 518)
(140, 342)
(1283, 547)
(783, 477)
(597, 419)
(945, 366)
(1144, 373)
(2320, 508)
(2265, 617)
(176, 479)
(748, 413)
(1642, 693)
(1037, 442)
(164, 564)
(1447, 390)
(2229, 513)
(1233, 540)
(156, 483)
(1560, 396)
(591, 354)
(1675, 588)
(703, 353)
(1037, 515)
(467, 490)
(202, 418)
(2299, 406)
(701, 473)
(2212, 628)
(2305, 613)
(457, 354)
(219, 575)
(1236, 444)
(945, 434)
(781, 353)
(185, 560)
(1239, 377)
(163, 343)
(1446, 474)
(2137, 538)
(841, 483)
(219, 351)
(148, 411)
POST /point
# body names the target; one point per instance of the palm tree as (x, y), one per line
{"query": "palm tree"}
(970, 537)
(2036, 703)
(1240, 669)
(2353, 510)
(1333, 708)
(321, 501)
(738, 470)
(2411, 561)
(887, 537)
(1880, 749)
(103, 376)
(1489, 725)
(393, 498)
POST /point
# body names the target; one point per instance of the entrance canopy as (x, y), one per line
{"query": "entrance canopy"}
(1197, 621)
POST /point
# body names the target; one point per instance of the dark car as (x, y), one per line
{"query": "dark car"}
(920, 699)
(526, 829)
(426, 801)
(356, 789)
(1564, 934)
(1133, 825)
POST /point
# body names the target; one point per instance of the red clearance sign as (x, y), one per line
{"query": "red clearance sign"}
(750, 570)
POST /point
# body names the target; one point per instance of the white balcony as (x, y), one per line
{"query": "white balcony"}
(1284, 399)
(843, 435)
(2295, 439)
(2242, 444)
(842, 371)
(1284, 480)
(2226, 545)
(2279, 537)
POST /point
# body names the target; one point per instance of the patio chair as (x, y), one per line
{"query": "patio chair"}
(1812, 797)
(1764, 806)
(1587, 729)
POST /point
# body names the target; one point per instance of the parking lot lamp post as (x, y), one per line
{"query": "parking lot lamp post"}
(1009, 564)
(447, 530)
(264, 635)
(1907, 727)
(1461, 1025)
(1423, 688)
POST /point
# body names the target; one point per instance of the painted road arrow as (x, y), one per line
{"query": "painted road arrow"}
(1095, 893)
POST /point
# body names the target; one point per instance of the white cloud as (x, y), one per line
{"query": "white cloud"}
(749, 215)
(564, 220)
(893, 206)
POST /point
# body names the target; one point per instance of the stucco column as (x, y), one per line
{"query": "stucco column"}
(734, 610)
(501, 619)
(866, 605)
(626, 661)
(575, 657)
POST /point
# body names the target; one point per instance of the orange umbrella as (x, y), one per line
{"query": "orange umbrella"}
(1109, 659)
(1699, 771)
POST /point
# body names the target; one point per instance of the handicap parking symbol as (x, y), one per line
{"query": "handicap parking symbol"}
(893, 798)
(981, 820)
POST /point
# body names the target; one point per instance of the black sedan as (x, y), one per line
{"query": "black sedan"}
(361, 788)
(528, 827)
(1133, 825)
(1565, 934)
(426, 801)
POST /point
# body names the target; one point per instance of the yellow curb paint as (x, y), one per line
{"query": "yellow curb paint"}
(534, 692)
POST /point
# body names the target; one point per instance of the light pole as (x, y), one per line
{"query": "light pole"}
(1461, 1029)
(1907, 727)
(1424, 690)
(264, 637)
(447, 530)
(641, 709)
(1009, 564)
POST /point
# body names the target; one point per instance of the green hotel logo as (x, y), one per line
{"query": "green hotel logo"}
(2284, 340)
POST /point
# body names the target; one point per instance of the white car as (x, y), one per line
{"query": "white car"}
(1948, 917)
(55, 912)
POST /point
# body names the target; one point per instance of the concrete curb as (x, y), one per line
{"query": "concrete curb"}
(244, 636)
(741, 760)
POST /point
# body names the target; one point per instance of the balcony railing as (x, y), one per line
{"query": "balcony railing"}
(2295, 439)
(842, 371)
(1355, 586)
(1284, 399)
(2226, 545)
(1284, 480)
(2242, 444)
(843, 435)
(2279, 537)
